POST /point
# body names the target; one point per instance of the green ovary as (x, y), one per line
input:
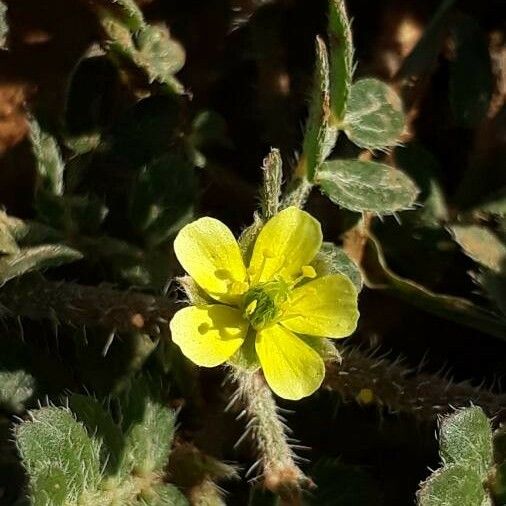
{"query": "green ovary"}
(263, 304)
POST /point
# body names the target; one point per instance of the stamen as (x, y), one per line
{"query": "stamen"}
(268, 253)
(237, 287)
(308, 271)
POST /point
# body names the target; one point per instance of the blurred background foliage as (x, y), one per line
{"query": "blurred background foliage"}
(120, 122)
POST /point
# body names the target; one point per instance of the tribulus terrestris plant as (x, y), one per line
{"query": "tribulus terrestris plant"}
(237, 268)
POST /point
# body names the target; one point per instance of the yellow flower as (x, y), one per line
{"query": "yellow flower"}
(272, 306)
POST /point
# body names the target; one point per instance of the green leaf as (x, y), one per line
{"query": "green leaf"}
(50, 487)
(4, 27)
(455, 485)
(424, 169)
(16, 388)
(163, 197)
(319, 137)
(366, 186)
(341, 59)
(49, 163)
(150, 49)
(332, 259)
(36, 259)
(465, 438)
(471, 78)
(374, 117)
(457, 309)
(482, 245)
(149, 428)
(53, 438)
(160, 55)
(90, 412)
(8, 245)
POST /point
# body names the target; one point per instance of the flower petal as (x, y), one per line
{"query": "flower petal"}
(287, 242)
(209, 253)
(325, 307)
(292, 368)
(208, 335)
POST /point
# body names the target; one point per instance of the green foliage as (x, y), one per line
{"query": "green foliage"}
(366, 186)
(341, 59)
(332, 260)
(466, 450)
(162, 197)
(81, 455)
(374, 117)
(465, 438)
(421, 165)
(16, 388)
(149, 49)
(453, 485)
(481, 245)
(320, 136)
(52, 439)
(35, 259)
(109, 170)
(453, 308)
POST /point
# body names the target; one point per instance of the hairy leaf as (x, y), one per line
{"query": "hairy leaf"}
(16, 387)
(35, 259)
(451, 486)
(481, 245)
(465, 438)
(319, 136)
(332, 259)
(374, 117)
(53, 438)
(90, 412)
(49, 163)
(366, 186)
(341, 59)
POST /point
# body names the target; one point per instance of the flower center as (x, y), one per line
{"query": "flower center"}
(263, 303)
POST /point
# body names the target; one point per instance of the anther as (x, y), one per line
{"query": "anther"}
(237, 287)
(268, 253)
(308, 271)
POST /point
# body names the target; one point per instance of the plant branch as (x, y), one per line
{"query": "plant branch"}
(277, 461)
(368, 379)
(37, 299)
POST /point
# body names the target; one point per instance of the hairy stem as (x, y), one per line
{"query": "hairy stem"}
(280, 472)
(360, 377)
(297, 193)
(376, 380)
(78, 305)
